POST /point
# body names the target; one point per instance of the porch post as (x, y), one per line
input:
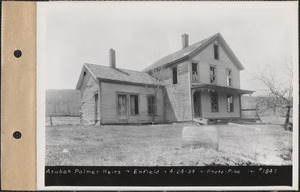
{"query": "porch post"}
(192, 95)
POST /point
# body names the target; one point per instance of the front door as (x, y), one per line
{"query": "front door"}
(122, 108)
(197, 104)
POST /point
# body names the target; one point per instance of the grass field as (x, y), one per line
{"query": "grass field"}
(160, 145)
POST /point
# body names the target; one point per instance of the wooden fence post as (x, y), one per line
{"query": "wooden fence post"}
(51, 123)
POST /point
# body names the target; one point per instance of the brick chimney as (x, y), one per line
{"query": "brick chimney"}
(185, 41)
(112, 58)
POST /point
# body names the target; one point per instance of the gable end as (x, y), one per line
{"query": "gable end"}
(225, 47)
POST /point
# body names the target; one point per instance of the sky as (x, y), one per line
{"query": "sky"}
(261, 34)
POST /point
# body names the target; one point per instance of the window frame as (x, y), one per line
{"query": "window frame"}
(196, 76)
(117, 102)
(229, 78)
(230, 105)
(175, 81)
(154, 104)
(135, 108)
(214, 75)
(217, 102)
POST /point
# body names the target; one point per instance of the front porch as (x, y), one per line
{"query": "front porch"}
(217, 102)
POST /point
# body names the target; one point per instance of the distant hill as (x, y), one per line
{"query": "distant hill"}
(63, 102)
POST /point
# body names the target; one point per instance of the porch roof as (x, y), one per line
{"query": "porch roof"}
(217, 88)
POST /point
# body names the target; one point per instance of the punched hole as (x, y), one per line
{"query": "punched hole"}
(17, 135)
(18, 53)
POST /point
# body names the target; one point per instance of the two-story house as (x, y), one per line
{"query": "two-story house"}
(201, 80)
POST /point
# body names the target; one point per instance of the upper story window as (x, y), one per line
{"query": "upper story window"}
(229, 77)
(134, 104)
(195, 71)
(214, 102)
(216, 51)
(174, 71)
(151, 104)
(212, 74)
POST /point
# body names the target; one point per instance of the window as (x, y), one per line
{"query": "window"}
(174, 75)
(194, 71)
(134, 104)
(216, 52)
(212, 74)
(122, 105)
(228, 77)
(214, 102)
(229, 103)
(151, 104)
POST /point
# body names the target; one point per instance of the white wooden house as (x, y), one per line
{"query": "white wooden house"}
(201, 80)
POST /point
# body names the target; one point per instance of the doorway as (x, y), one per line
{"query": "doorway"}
(122, 108)
(197, 104)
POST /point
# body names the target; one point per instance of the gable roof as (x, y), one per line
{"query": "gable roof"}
(105, 73)
(192, 50)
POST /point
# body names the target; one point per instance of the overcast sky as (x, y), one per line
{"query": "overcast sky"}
(142, 32)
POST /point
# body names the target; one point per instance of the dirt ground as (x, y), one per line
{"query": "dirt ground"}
(160, 145)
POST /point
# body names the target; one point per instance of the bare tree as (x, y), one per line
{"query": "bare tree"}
(279, 86)
(156, 86)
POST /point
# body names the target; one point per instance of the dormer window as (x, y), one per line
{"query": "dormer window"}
(212, 74)
(216, 51)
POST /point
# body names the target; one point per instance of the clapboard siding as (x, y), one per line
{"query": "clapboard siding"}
(206, 58)
(178, 105)
(206, 106)
(109, 93)
(88, 89)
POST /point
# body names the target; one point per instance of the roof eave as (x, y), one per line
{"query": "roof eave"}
(186, 57)
(79, 82)
(126, 82)
(231, 54)
(222, 88)
(81, 75)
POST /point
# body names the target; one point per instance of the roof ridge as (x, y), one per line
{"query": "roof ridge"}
(201, 42)
(116, 68)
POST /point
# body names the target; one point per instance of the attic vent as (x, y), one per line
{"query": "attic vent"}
(84, 73)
